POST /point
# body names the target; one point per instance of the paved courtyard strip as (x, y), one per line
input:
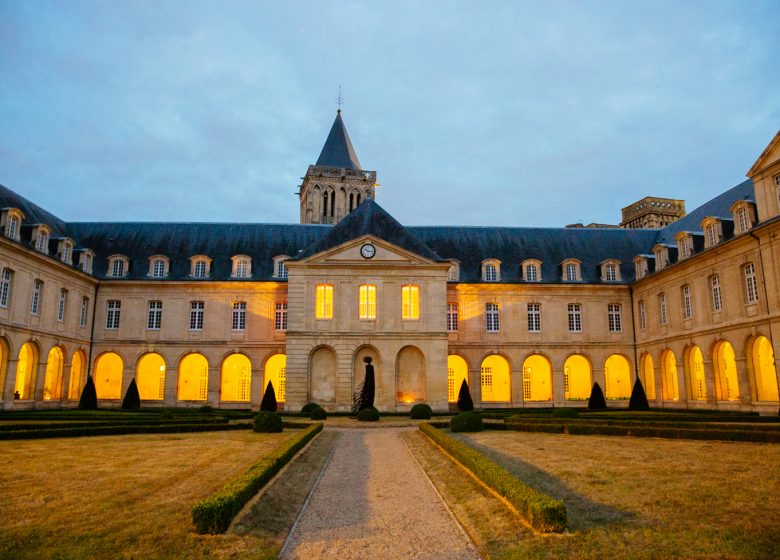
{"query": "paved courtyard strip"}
(374, 500)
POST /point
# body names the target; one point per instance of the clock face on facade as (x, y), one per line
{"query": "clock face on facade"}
(368, 251)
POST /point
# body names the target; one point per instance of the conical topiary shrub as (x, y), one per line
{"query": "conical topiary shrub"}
(132, 400)
(597, 400)
(88, 400)
(268, 404)
(638, 399)
(464, 398)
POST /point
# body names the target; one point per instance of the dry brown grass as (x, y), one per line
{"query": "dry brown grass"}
(121, 496)
(639, 498)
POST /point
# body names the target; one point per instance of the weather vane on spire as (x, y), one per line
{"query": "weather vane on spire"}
(341, 99)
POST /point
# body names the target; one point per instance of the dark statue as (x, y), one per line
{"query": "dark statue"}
(364, 397)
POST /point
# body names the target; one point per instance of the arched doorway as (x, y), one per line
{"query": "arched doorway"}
(648, 375)
(76, 375)
(150, 377)
(457, 373)
(617, 377)
(670, 386)
(576, 378)
(410, 375)
(108, 376)
(537, 378)
(236, 379)
(3, 365)
(764, 369)
(193, 378)
(725, 366)
(52, 382)
(276, 374)
(322, 375)
(694, 368)
(495, 379)
(26, 367)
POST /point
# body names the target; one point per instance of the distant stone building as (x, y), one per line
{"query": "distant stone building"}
(652, 212)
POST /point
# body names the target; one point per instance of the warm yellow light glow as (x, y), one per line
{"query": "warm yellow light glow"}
(410, 375)
(537, 379)
(76, 375)
(725, 364)
(648, 376)
(52, 382)
(764, 372)
(108, 376)
(495, 379)
(368, 301)
(25, 370)
(671, 391)
(236, 379)
(324, 302)
(276, 373)
(150, 377)
(457, 373)
(193, 378)
(617, 377)
(410, 302)
(576, 378)
(695, 370)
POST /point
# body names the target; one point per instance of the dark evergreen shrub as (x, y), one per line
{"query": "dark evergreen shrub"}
(166, 415)
(268, 404)
(206, 409)
(132, 400)
(268, 421)
(638, 399)
(466, 422)
(465, 403)
(421, 411)
(364, 397)
(368, 415)
(308, 408)
(318, 414)
(597, 400)
(88, 400)
(564, 413)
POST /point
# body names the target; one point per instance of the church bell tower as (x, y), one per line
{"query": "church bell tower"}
(336, 184)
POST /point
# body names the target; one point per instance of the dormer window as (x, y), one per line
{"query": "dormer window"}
(661, 254)
(610, 271)
(65, 250)
(571, 270)
(684, 245)
(712, 231)
(118, 266)
(640, 266)
(200, 266)
(453, 273)
(12, 220)
(158, 266)
(280, 268)
(532, 270)
(743, 216)
(85, 260)
(242, 266)
(41, 238)
(491, 270)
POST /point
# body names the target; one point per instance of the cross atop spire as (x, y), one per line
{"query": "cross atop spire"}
(341, 100)
(338, 150)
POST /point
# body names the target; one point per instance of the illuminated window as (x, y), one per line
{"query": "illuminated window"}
(113, 310)
(615, 318)
(35, 302)
(280, 316)
(5, 287)
(717, 300)
(196, 315)
(642, 315)
(239, 316)
(410, 302)
(452, 317)
(154, 319)
(534, 317)
(575, 317)
(42, 240)
(367, 296)
(242, 266)
(492, 317)
(687, 301)
(324, 301)
(751, 287)
(61, 305)
(84, 311)
(662, 307)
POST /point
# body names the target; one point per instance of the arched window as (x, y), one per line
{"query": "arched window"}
(26, 367)
(725, 366)
(694, 365)
(150, 377)
(495, 379)
(52, 383)
(193, 378)
(576, 378)
(42, 239)
(118, 266)
(109, 368)
(200, 266)
(537, 379)
(457, 373)
(617, 377)
(763, 370)
(76, 375)
(648, 375)
(242, 266)
(276, 374)
(532, 270)
(491, 270)
(158, 266)
(236, 380)
(571, 270)
(671, 390)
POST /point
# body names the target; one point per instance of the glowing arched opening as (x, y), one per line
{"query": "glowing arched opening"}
(670, 386)
(193, 378)
(76, 375)
(108, 376)
(410, 375)
(617, 377)
(52, 382)
(457, 373)
(236, 377)
(494, 379)
(576, 378)
(150, 377)
(764, 370)
(537, 379)
(648, 376)
(276, 374)
(726, 381)
(25, 370)
(694, 366)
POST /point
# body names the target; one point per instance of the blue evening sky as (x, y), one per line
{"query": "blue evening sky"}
(475, 113)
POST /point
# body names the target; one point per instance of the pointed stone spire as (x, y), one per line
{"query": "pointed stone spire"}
(338, 150)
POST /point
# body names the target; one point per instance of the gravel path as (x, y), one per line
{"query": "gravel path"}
(374, 501)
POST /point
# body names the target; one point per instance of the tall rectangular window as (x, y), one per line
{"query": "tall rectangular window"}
(615, 318)
(158, 268)
(687, 301)
(61, 304)
(751, 286)
(410, 302)
(530, 273)
(367, 293)
(5, 287)
(490, 273)
(84, 311)
(452, 317)
(575, 317)
(113, 309)
(492, 317)
(199, 270)
(280, 316)
(281, 270)
(534, 317)
(717, 300)
(239, 316)
(742, 220)
(611, 273)
(642, 315)
(154, 319)
(662, 307)
(571, 272)
(196, 315)
(35, 302)
(323, 308)
(13, 223)
(118, 268)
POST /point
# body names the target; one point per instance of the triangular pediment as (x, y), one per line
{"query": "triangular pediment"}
(770, 155)
(368, 250)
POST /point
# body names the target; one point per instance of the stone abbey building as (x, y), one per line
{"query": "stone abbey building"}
(204, 313)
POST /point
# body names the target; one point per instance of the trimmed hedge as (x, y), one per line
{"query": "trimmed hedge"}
(119, 430)
(268, 422)
(421, 412)
(308, 408)
(368, 415)
(318, 414)
(18, 427)
(466, 422)
(543, 512)
(214, 514)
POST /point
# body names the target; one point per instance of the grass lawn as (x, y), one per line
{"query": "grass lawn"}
(121, 496)
(640, 497)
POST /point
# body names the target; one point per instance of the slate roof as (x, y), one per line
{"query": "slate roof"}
(33, 214)
(338, 150)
